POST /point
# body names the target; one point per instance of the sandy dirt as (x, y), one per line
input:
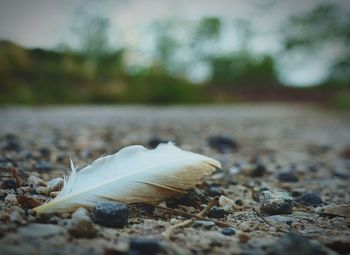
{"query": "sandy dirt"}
(263, 148)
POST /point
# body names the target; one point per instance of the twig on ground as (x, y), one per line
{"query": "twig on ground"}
(262, 217)
(196, 216)
(16, 177)
(267, 222)
(169, 230)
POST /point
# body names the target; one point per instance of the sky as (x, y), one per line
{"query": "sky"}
(47, 23)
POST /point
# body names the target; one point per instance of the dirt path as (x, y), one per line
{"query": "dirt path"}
(294, 148)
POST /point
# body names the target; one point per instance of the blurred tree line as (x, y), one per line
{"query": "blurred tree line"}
(99, 73)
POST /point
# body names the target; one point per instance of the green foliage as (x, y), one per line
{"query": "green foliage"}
(322, 27)
(208, 28)
(97, 73)
(93, 35)
(155, 86)
(342, 100)
(236, 70)
(166, 43)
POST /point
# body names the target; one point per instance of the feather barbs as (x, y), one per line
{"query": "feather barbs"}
(134, 174)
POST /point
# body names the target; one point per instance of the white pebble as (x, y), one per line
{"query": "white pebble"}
(55, 184)
(42, 190)
(11, 198)
(15, 216)
(36, 181)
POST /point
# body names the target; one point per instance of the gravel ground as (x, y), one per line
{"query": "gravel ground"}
(283, 189)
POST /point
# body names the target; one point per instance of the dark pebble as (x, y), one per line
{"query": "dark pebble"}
(3, 194)
(6, 160)
(239, 202)
(275, 202)
(55, 220)
(111, 215)
(214, 191)
(12, 143)
(144, 246)
(29, 155)
(287, 177)
(60, 159)
(145, 209)
(217, 212)
(291, 244)
(9, 184)
(258, 171)
(43, 166)
(45, 152)
(341, 174)
(313, 168)
(297, 192)
(154, 142)
(172, 203)
(309, 199)
(228, 231)
(222, 143)
(192, 198)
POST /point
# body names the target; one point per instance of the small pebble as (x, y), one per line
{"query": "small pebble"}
(206, 224)
(341, 174)
(276, 220)
(45, 152)
(298, 192)
(54, 194)
(42, 190)
(258, 171)
(275, 202)
(26, 189)
(239, 202)
(243, 237)
(228, 231)
(226, 203)
(54, 220)
(233, 170)
(244, 227)
(222, 143)
(3, 194)
(12, 143)
(287, 177)
(144, 246)
(309, 199)
(313, 168)
(43, 166)
(9, 184)
(214, 191)
(11, 199)
(111, 215)
(16, 217)
(34, 181)
(81, 225)
(217, 212)
(55, 184)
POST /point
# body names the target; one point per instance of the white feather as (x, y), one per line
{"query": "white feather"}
(134, 174)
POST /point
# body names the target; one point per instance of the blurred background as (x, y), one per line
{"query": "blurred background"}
(174, 52)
